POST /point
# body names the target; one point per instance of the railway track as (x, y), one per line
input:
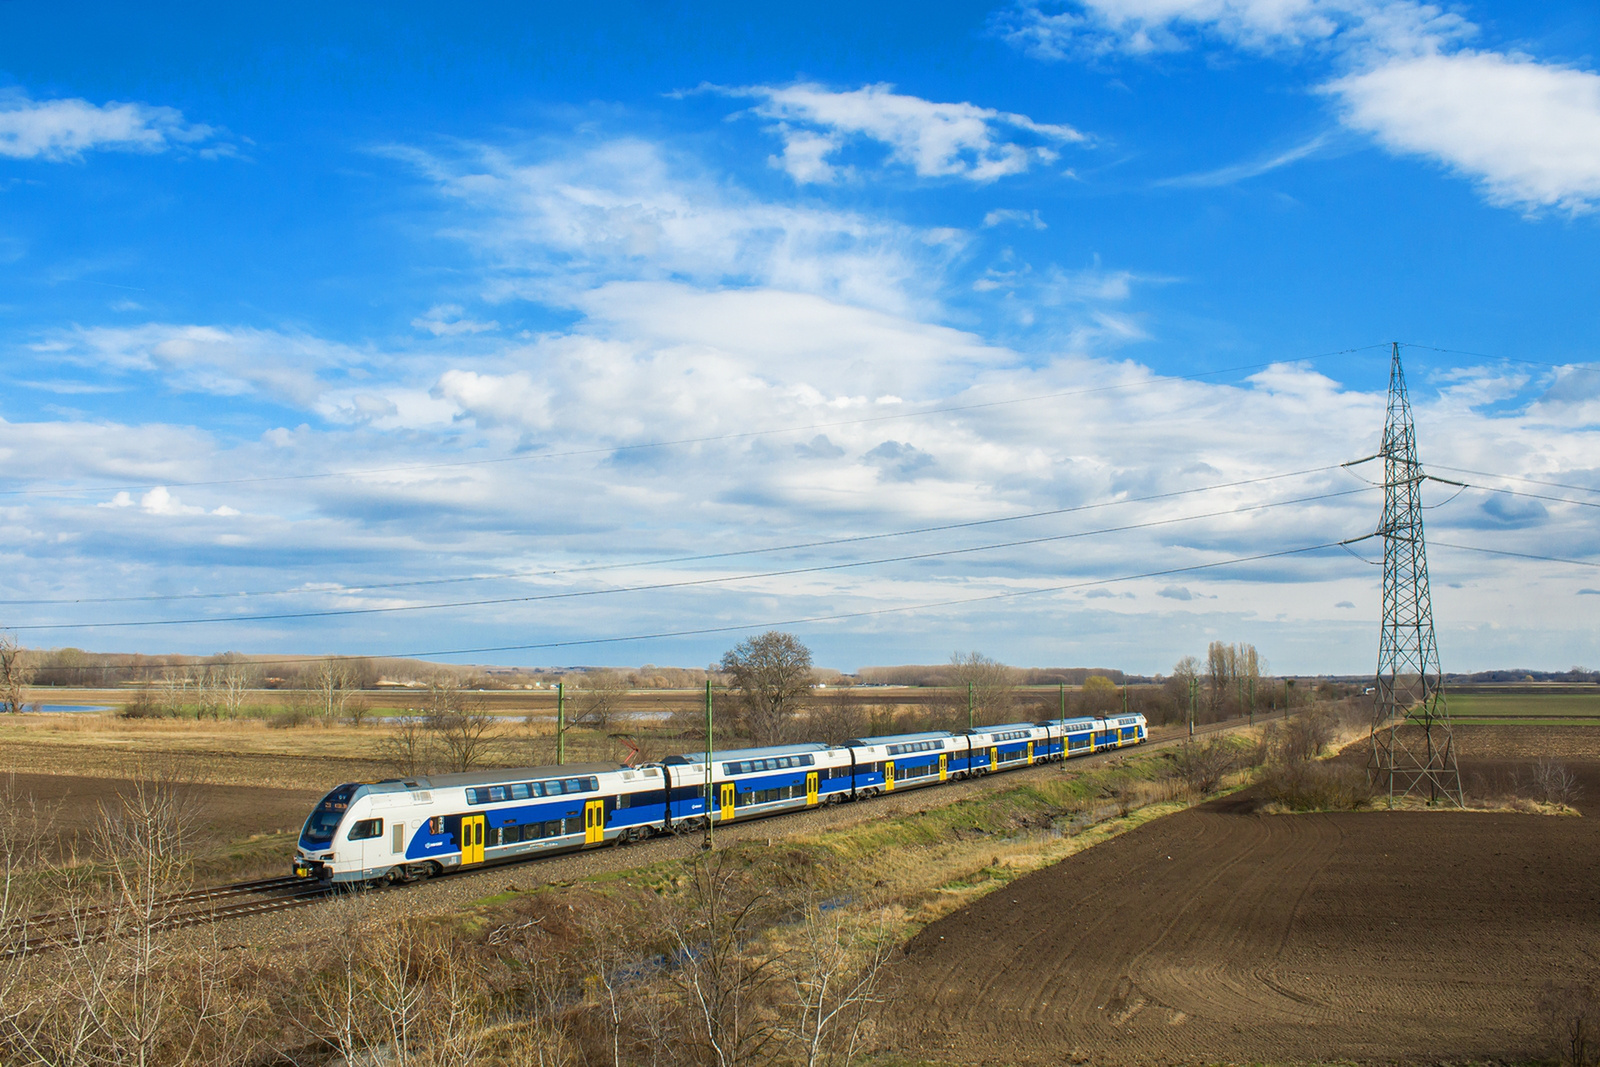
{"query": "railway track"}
(209, 904)
(173, 911)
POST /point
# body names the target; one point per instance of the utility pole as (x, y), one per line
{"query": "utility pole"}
(1062, 695)
(561, 724)
(970, 723)
(711, 816)
(1194, 695)
(1252, 681)
(1413, 748)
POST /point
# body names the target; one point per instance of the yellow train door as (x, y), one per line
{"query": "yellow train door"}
(888, 775)
(994, 758)
(944, 773)
(594, 822)
(727, 801)
(811, 788)
(471, 839)
(1030, 753)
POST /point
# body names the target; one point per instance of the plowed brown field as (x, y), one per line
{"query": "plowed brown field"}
(1221, 934)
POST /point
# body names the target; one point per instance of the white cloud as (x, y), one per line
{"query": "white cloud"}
(223, 361)
(936, 140)
(559, 226)
(1238, 172)
(1146, 26)
(59, 130)
(449, 320)
(1009, 216)
(160, 501)
(1528, 131)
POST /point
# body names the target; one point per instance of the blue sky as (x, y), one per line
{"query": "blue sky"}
(544, 301)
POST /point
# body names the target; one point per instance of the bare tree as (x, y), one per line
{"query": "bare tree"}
(334, 685)
(464, 734)
(773, 675)
(837, 719)
(408, 747)
(234, 678)
(1572, 1020)
(16, 672)
(599, 698)
(991, 684)
(208, 695)
(173, 689)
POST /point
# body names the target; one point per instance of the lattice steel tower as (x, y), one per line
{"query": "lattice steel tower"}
(1413, 751)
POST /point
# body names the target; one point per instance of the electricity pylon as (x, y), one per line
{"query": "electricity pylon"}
(1413, 750)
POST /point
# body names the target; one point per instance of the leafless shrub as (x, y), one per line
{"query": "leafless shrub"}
(1316, 786)
(727, 984)
(1203, 765)
(837, 720)
(1549, 781)
(1571, 1014)
(834, 975)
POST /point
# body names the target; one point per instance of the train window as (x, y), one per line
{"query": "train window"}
(622, 800)
(519, 792)
(364, 829)
(574, 785)
(497, 792)
(436, 825)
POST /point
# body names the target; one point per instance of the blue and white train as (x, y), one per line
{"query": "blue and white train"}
(401, 830)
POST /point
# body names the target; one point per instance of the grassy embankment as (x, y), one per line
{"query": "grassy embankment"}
(917, 867)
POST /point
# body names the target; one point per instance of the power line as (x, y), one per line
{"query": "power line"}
(1519, 555)
(1508, 359)
(702, 557)
(1515, 478)
(836, 617)
(737, 436)
(686, 583)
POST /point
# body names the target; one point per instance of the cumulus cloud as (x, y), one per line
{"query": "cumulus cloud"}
(65, 129)
(161, 501)
(935, 140)
(1529, 132)
(1526, 131)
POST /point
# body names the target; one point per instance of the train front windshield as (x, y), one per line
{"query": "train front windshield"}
(325, 816)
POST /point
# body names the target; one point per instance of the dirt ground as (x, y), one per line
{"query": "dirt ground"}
(1219, 934)
(71, 809)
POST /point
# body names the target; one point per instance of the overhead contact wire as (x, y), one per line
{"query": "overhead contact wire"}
(686, 583)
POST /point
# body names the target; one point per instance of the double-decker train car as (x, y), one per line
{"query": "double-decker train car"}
(404, 829)
(751, 782)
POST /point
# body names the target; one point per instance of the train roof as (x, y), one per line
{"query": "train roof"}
(493, 776)
(1004, 726)
(746, 753)
(897, 739)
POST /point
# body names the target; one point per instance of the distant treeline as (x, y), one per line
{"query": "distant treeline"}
(943, 674)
